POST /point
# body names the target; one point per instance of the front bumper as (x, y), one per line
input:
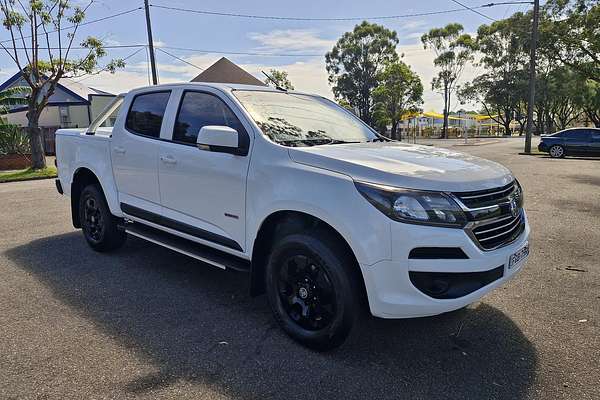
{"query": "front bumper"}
(543, 147)
(390, 290)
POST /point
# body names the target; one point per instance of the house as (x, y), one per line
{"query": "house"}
(224, 71)
(73, 105)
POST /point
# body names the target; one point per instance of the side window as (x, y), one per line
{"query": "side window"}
(579, 134)
(200, 109)
(146, 113)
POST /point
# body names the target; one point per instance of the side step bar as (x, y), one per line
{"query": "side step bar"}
(189, 248)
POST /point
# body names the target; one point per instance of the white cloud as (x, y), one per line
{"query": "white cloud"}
(308, 75)
(291, 40)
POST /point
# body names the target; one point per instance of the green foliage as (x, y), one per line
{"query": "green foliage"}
(27, 174)
(13, 97)
(400, 91)
(453, 50)
(570, 34)
(355, 63)
(13, 140)
(590, 101)
(281, 79)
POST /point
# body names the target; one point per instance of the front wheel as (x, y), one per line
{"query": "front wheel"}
(313, 289)
(100, 227)
(557, 151)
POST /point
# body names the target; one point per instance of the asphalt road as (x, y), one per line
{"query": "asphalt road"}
(145, 322)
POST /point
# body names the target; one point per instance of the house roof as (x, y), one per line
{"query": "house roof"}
(224, 71)
(75, 92)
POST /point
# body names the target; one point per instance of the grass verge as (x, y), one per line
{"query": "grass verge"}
(27, 174)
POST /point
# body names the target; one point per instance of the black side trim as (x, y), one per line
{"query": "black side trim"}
(437, 253)
(180, 226)
(176, 242)
(452, 285)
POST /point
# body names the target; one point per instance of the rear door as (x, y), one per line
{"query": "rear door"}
(203, 193)
(134, 152)
(578, 141)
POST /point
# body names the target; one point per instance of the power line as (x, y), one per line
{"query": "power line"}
(180, 59)
(93, 21)
(273, 17)
(474, 10)
(105, 68)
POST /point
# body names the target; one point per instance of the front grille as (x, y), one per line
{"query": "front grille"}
(499, 232)
(496, 215)
(488, 197)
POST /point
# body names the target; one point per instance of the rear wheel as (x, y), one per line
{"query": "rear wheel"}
(99, 226)
(313, 289)
(557, 151)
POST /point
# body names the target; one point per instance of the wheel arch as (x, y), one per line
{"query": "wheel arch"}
(82, 177)
(287, 221)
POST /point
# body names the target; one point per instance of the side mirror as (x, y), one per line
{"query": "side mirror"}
(222, 139)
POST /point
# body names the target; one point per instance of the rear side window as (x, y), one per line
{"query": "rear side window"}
(199, 109)
(580, 134)
(146, 113)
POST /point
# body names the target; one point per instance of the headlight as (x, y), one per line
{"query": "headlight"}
(414, 206)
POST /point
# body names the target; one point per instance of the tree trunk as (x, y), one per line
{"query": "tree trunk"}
(36, 141)
(446, 101)
(394, 130)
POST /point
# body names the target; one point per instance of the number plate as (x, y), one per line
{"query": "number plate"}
(519, 256)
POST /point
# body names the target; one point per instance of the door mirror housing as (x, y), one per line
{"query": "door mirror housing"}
(221, 139)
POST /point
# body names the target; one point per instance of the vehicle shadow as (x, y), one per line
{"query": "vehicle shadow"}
(197, 324)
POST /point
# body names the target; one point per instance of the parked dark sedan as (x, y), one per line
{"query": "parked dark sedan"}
(574, 141)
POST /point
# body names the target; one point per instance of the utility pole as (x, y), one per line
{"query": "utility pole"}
(532, 59)
(150, 44)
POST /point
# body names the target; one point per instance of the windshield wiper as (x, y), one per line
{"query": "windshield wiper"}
(314, 142)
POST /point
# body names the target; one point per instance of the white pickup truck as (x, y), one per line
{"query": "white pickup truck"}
(325, 215)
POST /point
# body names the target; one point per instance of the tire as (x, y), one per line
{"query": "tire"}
(99, 226)
(314, 289)
(556, 151)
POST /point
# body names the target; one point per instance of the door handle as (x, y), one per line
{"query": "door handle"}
(168, 159)
(119, 150)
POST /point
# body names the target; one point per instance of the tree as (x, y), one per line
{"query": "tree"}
(355, 62)
(26, 23)
(502, 89)
(591, 101)
(453, 50)
(572, 35)
(400, 91)
(281, 79)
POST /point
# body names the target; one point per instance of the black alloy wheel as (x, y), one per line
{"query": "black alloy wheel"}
(92, 219)
(306, 292)
(100, 228)
(314, 288)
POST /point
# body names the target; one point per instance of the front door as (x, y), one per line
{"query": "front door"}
(203, 193)
(134, 151)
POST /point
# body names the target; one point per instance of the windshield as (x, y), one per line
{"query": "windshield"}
(302, 120)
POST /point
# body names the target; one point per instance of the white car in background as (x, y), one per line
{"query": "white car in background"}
(324, 215)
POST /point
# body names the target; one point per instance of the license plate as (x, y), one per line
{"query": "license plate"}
(519, 256)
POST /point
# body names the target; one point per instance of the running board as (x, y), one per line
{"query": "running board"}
(192, 249)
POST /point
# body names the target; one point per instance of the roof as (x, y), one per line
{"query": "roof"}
(224, 71)
(78, 93)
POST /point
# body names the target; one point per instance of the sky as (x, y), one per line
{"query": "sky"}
(304, 43)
